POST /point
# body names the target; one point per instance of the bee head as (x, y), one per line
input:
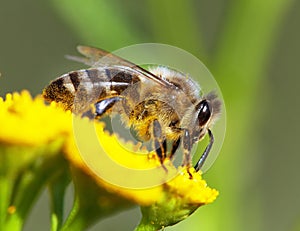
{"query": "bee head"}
(206, 111)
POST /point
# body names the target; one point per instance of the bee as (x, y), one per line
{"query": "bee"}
(162, 105)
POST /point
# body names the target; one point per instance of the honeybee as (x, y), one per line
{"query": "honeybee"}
(162, 105)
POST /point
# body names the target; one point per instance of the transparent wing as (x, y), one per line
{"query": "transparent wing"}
(94, 56)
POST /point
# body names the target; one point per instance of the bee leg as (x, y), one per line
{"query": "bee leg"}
(160, 144)
(187, 146)
(103, 106)
(175, 146)
(203, 157)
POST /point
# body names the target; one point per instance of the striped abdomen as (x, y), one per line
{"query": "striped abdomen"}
(79, 89)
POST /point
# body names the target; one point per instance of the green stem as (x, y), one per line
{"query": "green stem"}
(4, 198)
(77, 220)
(92, 202)
(5, 193)
(22, 179)
(57, 189)
(13, 224)
(82, 216)
(145, 227)
(31, 183)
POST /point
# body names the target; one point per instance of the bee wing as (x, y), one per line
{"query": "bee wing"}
(96, 57)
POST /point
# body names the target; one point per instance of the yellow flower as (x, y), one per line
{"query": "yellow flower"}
(118, 170)
(27, 121)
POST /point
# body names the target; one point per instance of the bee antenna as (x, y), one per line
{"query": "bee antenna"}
(203, 157)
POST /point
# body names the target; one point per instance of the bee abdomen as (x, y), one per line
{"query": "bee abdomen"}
(74, 77)
(57, 91)
(88, 86)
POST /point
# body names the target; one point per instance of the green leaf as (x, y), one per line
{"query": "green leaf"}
(57, 188)
(24, 173)
(92, 203)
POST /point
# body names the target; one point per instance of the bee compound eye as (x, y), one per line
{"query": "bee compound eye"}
(204, 112)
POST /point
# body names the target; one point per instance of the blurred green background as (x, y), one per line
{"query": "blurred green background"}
(251, 47)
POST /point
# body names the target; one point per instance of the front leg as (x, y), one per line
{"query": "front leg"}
(187, 146)
(206, 151)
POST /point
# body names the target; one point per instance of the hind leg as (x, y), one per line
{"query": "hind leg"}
(206, 151)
